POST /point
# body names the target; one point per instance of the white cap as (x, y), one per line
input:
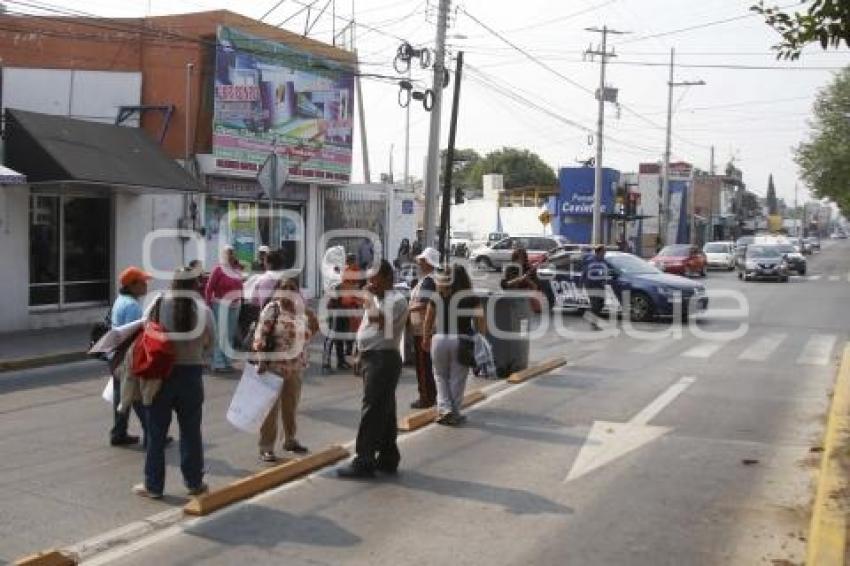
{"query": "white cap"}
(430, 256)
(263, 249)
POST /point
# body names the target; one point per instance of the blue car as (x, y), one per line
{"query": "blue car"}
(650, 292)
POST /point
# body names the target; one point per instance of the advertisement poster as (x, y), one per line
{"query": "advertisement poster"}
(677, 227)
(269, 97)
(243, 231)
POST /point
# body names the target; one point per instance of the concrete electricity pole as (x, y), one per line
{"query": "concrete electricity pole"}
(604, 54)
(664, 213)
(432, 172)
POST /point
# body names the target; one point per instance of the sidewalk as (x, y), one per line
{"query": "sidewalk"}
(37, 348)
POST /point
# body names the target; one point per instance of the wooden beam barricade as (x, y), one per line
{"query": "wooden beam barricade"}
(534, 371)
(262, 481)
(47, 558)
(418, 419)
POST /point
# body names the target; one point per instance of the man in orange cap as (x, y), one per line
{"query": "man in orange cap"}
(126, 309)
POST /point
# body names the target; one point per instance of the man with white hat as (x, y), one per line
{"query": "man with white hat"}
(427, 262)
(260, 264)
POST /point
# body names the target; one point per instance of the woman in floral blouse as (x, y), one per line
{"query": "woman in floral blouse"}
(283, 331)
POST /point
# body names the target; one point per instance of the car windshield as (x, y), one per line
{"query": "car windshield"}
(716, 248)
(785, 248)
(764, 251)
(630, 265)
(746, 240)
(675, 251)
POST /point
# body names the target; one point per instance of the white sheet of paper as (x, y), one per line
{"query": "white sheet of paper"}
(112, 339)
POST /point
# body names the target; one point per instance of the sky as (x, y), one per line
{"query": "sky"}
(542, 99)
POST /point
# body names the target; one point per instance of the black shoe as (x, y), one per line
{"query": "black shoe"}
(352, 472)
(420, 404)
(296, 447)
(343, 365)
(126, 440)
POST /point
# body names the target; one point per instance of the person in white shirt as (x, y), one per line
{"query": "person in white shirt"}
(378, 343)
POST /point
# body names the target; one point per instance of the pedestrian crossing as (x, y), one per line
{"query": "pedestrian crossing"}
(825, 277)
(814, 350)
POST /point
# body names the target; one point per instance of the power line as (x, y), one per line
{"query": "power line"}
(704, 25)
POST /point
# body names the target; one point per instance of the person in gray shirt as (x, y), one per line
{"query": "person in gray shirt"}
(378, 341)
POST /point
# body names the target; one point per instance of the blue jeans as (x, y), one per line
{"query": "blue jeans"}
(183, 393)
(226, 319)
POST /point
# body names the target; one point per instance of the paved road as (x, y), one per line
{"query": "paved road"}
(640, 451)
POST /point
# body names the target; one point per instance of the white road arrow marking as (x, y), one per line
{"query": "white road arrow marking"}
(608, 441)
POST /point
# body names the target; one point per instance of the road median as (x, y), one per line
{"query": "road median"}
(827, 543)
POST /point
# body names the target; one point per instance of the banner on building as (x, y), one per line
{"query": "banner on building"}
(270, 97)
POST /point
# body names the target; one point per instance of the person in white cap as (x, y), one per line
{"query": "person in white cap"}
(427, 262)
(260, 264)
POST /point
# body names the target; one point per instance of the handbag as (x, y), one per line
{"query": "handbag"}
(153, 352)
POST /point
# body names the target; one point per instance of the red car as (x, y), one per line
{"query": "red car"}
(682, 259)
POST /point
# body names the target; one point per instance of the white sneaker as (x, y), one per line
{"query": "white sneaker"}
(140, 490)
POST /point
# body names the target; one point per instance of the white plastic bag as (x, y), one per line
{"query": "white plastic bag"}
(108, 392)
(485, 362)
(254, 397)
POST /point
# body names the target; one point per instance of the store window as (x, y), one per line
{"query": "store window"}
(69, 250)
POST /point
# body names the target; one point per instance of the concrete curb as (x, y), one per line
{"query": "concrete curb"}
(54, 358)
(828, 529)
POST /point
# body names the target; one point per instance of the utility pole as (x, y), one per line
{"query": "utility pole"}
(796, 213)
(361, 112)
(407, 142)
(664, 213)
(450, 154)
(601, 95)
(432, 172)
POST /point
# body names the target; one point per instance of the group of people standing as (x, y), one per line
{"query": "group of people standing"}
(443, 314)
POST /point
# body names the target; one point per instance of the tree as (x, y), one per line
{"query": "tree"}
(772, 204)
(824, 159)
(520, 168)
(826, 21)
(462, 168)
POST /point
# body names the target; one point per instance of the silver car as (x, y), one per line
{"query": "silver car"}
(497, 255)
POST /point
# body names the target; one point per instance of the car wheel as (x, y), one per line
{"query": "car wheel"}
(802, 271)
(640, 308)
(784, 279)
(740, 276)
(702, 273)
(483, 263)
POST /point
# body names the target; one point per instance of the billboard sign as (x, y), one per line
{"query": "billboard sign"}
(270, 97)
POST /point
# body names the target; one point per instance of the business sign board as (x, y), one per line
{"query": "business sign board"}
(575, 202)
(271, 97)
(680, 188)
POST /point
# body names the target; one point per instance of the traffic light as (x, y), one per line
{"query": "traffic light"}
(459, 196)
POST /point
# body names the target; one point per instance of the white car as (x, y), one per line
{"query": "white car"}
(720, 255)
(499, 254)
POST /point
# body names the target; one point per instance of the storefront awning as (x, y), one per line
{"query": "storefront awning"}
(59, 150)
(11, 177)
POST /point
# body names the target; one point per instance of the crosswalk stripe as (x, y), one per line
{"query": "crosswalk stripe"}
(834, 277)
(704, 350)
(814, 277)
(817, 350)
(650, 346)
(762, 348)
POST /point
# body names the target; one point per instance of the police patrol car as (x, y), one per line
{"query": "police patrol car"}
(650, 292)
